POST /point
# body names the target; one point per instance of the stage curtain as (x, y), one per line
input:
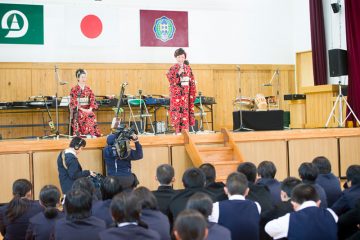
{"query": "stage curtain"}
(352, 18)
(318, 44)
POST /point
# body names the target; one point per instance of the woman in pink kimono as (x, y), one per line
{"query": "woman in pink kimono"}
(182, 93)
(82, 104)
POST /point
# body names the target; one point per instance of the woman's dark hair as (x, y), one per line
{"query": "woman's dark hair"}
(323, 164)
(110, 187)
(18, 205)
(49, 197)
(77, 142)
(190, 225)
(79, 72)
(146, 198)
(78, 204)
(266, 169)
(179, 52)
(200, 202)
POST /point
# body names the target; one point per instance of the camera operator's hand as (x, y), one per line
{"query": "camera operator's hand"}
(134, 137)
(92, 173)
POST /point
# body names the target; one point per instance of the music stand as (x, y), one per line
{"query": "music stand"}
(339, 99)
(277, 74)
(241, 128)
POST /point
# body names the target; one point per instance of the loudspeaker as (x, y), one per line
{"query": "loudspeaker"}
(336, 7)
(338, 62)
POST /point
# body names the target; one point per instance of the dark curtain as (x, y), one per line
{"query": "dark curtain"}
(318, 44)
(352, 19)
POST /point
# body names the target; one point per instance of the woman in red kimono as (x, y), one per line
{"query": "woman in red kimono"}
(182, 93)
(82, 104)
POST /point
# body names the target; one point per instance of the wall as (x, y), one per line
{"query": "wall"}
(256, 32)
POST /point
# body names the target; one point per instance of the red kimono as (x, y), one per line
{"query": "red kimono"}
(182, 96)
(83, 123)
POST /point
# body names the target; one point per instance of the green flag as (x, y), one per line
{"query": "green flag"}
(21, 24)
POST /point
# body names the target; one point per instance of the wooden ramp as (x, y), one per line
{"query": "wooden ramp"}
(225, 157)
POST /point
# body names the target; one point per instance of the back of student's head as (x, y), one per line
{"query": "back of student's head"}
(249, 170)
(236, 183)
(125, 207)
(110, 187)
(84, 184)
(190, 225)
(200, 202)
(193, 178)
(353, 174)
(288, 184)
(266, 169)
(308, 172)
(304, 192)
(18, 205)
(146, 198)
(77, 143)
(323, 164)
(165, 174)
(209, 171)
(50, 197)
(78, 204)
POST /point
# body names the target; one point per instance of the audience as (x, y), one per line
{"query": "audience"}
(101, 209)
(348, 223)
(217, 188)
(125, 210)
(328, 181)
(240, 216)
(308, 173)
(78, 224)
(351, 195)
(190, 225)
(41, 224)
(14, 216)
(267, 171)
(150, 213)
(203, 203)
(85, 184)
(308, 221)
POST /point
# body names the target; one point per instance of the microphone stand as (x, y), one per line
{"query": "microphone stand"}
(241, 128)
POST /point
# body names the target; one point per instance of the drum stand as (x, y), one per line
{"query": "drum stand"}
(241, 128)
(202, 115)
(339, 99)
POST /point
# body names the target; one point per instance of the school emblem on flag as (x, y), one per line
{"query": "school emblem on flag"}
(164, 29)
(21, 24)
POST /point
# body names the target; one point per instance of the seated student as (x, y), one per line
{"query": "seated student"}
(350, 195)
(190, 225)
(328, 181)
(164, 193)
(203, 203)
(101, 209)
(85, 184)
(348, 223)
(150, 213)
(267, 171)
(14, 216)
(125, 210)
(239, 215)
(257, 193)
(78, 223)
(308, 173)
(309, 221)
(215, 187)
(41, 224)
(193, 181)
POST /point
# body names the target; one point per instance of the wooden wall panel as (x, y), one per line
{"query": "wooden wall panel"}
(275, 151)
(304, 70)
(305, 150)
(91, 159)
(15, 84)
(180, 162)
(349, 153)
(13, 167)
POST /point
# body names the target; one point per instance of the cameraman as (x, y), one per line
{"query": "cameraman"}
(121, 167)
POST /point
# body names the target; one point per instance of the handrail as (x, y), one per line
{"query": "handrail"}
(229, 141)
(191, 149)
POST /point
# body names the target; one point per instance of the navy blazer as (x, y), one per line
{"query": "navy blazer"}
(74, 171)
(331, 185)
(17, 229)
(260, 194)
(217, 232)
(129, 232)
(87, 228)
(347, 200)
(217, 188)
(101, 209)
(274, 187)
(163, 195)
(40, 227)
(157, 221)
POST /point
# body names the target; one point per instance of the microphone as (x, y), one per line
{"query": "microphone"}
(56, 68)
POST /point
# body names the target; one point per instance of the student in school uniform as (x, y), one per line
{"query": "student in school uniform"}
(309, 221)
(217, 188)
(239, 215)
(126, 209)
(266, 171)
(78, 223)
(190, 224)
(41, 224)
(15, 216)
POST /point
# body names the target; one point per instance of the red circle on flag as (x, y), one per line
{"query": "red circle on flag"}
(91, 26)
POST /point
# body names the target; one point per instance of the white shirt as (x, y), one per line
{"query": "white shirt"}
(126, 224)
(279, 228)
(214, 217)
(70, 150)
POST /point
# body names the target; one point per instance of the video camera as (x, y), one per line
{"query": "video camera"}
(122, 142)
